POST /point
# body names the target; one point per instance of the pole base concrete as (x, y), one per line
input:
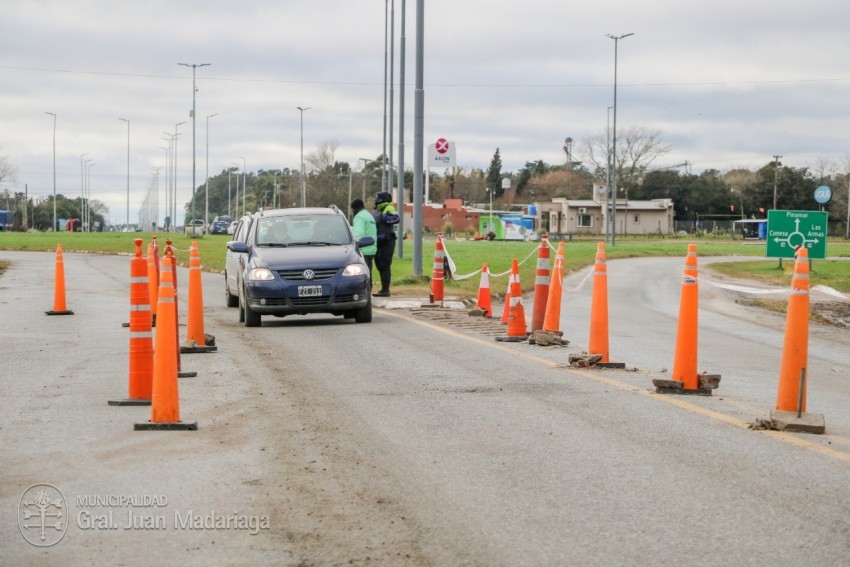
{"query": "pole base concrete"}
(806, 423)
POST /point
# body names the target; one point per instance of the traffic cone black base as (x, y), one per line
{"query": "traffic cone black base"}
(166, 426)
(129, 402)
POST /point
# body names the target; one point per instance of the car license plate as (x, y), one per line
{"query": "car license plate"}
(309, 290)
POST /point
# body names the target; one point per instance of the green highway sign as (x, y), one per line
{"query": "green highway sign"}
(788, 230)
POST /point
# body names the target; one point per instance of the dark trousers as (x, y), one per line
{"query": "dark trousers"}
(384, 262)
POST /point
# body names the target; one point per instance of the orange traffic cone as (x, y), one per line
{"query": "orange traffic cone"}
(165, 403)
(196, 340)
(795, 351)
(153, 281)
(685, 361)
(516, 320)
(59, 307)
(598, 343)
(141, 343)
(437, 276)
(484, 292)
(552, 320)
(541, 285)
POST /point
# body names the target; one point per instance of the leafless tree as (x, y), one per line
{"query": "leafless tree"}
(637, 148)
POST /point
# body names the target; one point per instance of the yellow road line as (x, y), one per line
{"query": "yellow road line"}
(668, 399)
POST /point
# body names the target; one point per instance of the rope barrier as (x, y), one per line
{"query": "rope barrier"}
(458, 277)
(732, 287)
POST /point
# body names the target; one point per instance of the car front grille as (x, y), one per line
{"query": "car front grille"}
(298, 275)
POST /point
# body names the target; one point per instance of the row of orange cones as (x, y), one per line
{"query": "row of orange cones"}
(791, 395)
(154, 363)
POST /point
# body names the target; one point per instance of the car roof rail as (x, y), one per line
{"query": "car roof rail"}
(335, 209)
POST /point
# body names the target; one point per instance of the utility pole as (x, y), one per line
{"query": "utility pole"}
(775, 178)
(194, 66)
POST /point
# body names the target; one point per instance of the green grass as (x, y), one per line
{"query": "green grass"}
(469, 255)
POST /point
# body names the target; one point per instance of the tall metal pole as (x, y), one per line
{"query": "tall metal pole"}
(303, 184)
(244, 183)
(128, 171)
(775, 178)
(207, 175)
(89, 165)
(54, 169)
(174, 172)
(83, 191)
(614, 147)
(418, 140)
(194, 66)
(608, 175)
(400, 241)
(384, 150)
(392, 96)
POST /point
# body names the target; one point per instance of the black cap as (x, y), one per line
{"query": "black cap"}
(357, 204)
(383, 197)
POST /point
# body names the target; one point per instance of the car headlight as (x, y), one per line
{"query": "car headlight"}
(354, 270)
(260, 274)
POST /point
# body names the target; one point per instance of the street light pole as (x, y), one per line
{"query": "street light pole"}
(244, 185)
(194, 66)
(128, 171)
(207, 176)
(174, 185)
(775, 178)
(608, 173)
(83, 191)
(303, 185)
(614, 146)
(89, 164)
(54, 168)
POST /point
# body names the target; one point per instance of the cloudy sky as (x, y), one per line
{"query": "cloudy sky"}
(729, 83)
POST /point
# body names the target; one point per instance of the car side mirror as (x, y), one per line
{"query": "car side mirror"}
(238, 247)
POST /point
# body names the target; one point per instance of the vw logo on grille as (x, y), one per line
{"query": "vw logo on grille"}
(309, 274)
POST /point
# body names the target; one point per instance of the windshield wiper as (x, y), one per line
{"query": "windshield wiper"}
(274, 244)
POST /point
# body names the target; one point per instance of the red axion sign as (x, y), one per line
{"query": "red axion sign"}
(442, 145)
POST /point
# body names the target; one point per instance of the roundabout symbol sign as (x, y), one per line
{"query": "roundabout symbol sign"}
(789, 230)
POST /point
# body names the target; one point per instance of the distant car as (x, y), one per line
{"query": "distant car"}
(197, 225)
(294, 262)
(219, 227)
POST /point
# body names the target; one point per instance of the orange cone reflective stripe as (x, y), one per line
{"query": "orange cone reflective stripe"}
(552, 320)
(484, 292)
(541, 285)
(685, 361)
(598, 343)
(164, 400)
(195, 312)
(795, 349)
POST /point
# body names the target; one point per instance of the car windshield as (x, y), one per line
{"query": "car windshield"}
(303, 230)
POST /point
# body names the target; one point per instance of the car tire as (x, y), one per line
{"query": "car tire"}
(241, 311)
(232, 300)
(364, 314)
(252, 318)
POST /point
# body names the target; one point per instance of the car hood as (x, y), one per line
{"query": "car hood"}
(304, 257)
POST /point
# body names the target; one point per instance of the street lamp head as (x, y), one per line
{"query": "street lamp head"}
(616, 37)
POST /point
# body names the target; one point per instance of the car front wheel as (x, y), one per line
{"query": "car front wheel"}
(364, 314)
